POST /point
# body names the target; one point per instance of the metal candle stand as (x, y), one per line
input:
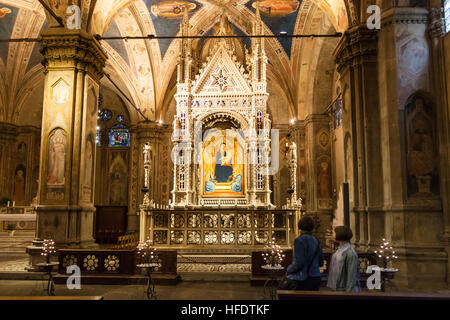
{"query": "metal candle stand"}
(150, 291)
(48, 268)
(272, 282)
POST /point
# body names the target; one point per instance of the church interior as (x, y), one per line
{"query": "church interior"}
(204, 130)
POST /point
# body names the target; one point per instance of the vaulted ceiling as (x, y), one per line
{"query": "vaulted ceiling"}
(144, 69)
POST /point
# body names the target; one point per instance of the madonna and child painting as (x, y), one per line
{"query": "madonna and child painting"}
(223, 173)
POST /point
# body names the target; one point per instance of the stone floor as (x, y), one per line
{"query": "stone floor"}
(186, 290)
(13, 263)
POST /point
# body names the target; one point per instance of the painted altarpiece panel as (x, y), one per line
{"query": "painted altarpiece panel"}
(223, 163)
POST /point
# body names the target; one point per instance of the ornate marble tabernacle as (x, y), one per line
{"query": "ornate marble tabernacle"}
(222, 130)
(222, 151)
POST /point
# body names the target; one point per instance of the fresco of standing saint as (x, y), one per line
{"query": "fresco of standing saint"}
(57, 159)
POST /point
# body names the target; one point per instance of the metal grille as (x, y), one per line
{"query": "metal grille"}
(220, 228)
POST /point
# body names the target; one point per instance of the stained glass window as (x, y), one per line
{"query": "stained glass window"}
(105, 115)
(447, 15)
(119, 136)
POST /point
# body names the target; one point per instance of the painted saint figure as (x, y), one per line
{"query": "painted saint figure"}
(89, 164)
(224, 165)
(19, 187)
(324, 180)
(57, 159)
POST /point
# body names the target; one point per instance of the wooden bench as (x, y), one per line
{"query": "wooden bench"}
(54, 298)
(352, 296)
(129, 241)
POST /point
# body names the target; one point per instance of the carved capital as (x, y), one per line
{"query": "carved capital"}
(357, 45)
(405, 15)
(64, 48)
(436, 27)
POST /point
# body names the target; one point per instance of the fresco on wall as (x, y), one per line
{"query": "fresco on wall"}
(57, 158)
(118, 46)
(4, 12)
(413, 61)
(89, 168)
(276, 8)
(422, 155)
(166, 17)
(324, 179)
(118, 191)
(19, 185)
(278, 15)
(172, 9)
(8, 17)
(223, 164)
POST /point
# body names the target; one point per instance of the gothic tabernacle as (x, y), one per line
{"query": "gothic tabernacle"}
(209, 131)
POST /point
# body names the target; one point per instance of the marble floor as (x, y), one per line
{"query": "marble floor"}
(189, 290)
(13, 263)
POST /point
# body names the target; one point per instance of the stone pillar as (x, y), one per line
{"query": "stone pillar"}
(158, 138)
(441, 69)
(8, 137)
(74, 63)
(356, 59)
(413, 219)
(319, 184)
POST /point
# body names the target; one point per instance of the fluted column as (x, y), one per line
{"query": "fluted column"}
(74, 63)
(356, 59)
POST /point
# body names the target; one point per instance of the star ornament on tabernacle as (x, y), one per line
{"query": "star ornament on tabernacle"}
(221, 80)
(273, 256)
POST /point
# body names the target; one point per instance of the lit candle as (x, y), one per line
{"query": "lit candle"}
(8, 203)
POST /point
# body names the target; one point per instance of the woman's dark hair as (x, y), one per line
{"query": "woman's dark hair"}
(306, 224)
(343, 233)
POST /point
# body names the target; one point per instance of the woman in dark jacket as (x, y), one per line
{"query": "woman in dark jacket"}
(304, 273)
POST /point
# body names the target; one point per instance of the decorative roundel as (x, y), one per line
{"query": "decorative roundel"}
(70, 260)
(90, 262)
(120, 118)
(105, 115)
(112, 263)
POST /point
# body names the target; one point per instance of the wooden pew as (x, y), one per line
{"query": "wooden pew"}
(352, 296)
(129, 241)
